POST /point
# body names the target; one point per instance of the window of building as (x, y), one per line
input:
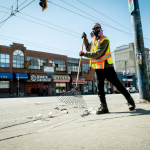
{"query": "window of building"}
(36, 63)
(60, 88)
(18, 59)
(4, 85)
(86, 68)
(74, 67)
(88, 87)
(4, 60)
(146, 56)
(59, 64)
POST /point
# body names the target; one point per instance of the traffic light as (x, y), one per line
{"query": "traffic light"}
(43, 4)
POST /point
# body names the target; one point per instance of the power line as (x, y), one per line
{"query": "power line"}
(90, 18)
(22, 3)
(129, 34)
(5, 14)
(49, 48)
(26, 5)
(33, 43)
(103, 15)
(84, 12)
(50, 23)
(13, 13)
(77, 14)
(48, 27)
(4, 21)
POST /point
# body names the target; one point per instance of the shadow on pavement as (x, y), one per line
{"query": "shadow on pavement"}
(136, 112)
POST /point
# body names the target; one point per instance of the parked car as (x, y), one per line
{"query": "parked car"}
(131, 89)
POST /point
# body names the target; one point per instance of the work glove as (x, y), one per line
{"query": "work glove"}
(81, 53)
(83, 35)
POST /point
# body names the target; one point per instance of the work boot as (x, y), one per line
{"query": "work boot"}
(131, 103)
(102, 109)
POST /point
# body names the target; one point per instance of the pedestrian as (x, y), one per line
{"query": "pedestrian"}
(44, 90)
(101, 60)
(39, 91)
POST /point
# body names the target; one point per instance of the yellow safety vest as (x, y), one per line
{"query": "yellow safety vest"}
(99, 63)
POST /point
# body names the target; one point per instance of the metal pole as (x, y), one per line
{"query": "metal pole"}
(139, 49)
(126, 73)
(18, 84)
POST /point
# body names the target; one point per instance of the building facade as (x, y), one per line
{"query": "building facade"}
(32, 69)
(127, 53)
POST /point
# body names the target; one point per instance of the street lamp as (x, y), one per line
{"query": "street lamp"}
(125, 68)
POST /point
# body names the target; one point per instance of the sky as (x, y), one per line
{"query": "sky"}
(59, 28)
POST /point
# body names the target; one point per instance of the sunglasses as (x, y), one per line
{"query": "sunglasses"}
(96, 28)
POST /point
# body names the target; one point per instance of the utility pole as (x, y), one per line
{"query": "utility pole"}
(141, 65)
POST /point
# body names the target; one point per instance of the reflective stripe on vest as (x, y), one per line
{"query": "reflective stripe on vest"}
(100, 62)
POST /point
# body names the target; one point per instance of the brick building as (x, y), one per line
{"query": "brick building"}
(31, 70)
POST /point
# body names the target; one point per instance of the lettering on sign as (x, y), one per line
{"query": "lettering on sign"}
(69, 69)
(61, 77)
(40, 78)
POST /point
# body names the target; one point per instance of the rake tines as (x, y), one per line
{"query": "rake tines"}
(73, 99)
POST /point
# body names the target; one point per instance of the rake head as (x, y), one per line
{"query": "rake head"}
(73, 99)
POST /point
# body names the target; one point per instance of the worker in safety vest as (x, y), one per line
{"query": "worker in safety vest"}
(101, 60)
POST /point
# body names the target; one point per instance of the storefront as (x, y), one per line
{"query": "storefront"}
(88, 87)
(37, 81)
(60, 84)
(19, 80)
(81, 82)
(5, 84)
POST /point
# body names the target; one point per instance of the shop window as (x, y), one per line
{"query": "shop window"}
(18, 59)
(4, 84)
(74, 67)
(60, 88)
(88, 87)
(36, 63)
(59, 64)
(4, 60)
(86, 68)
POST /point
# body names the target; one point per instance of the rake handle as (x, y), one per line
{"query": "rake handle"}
(79, 66)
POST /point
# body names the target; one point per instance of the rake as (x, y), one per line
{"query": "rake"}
(74, 98)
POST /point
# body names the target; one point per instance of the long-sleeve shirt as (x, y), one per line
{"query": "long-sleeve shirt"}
(101, 50)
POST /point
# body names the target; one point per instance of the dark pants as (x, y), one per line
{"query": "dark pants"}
(111, 76)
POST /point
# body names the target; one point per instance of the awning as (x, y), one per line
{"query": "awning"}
(4, 75)
(20, 75)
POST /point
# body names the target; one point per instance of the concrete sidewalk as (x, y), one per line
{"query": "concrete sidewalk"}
(120, 129)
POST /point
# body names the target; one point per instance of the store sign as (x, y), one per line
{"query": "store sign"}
(127, 79)
(35, 78)
(81, 79)
(69, 69)
(48, 69)
(61, 78)
(131, 5)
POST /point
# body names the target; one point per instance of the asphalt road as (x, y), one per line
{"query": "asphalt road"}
(19, 110)
(71, 131)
